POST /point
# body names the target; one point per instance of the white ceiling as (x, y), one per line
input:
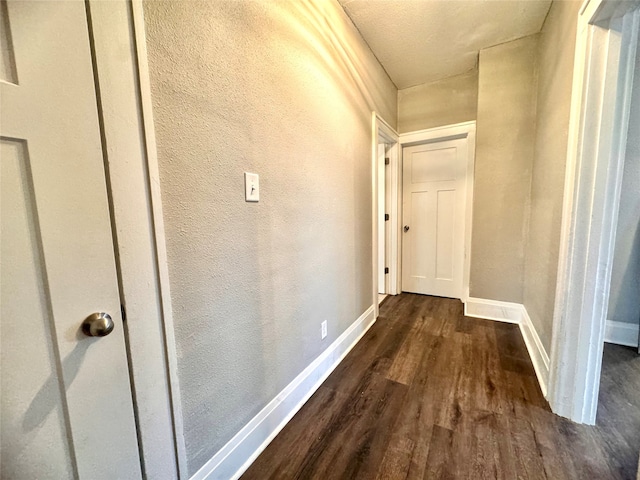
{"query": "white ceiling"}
(420, 41)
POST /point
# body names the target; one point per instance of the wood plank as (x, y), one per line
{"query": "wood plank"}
(296, 436)
(353, 445)
(405, 363)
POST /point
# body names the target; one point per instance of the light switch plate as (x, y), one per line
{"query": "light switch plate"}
(251, 187)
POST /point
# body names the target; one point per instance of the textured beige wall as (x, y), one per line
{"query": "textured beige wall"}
(504, 153)
(555, 73)
(624, 302)
(285, 90)
(445, 102)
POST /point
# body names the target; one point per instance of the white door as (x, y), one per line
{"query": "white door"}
(382, 258)
(66, 404)
(434, 198)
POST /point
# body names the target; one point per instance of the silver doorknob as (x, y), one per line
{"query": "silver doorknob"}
(406, 228)
(98, 324)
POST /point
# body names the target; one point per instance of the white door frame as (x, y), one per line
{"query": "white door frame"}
(602, 84)
(124, 106)
(382, 228)
(382, 132)
(448, 132)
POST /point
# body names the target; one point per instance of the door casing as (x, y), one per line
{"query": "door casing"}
(383, 284)
(607, 38)
(121, 74)
(460, 130)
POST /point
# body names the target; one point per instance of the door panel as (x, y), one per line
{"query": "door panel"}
(7, 60)
(421, 220)
(433, 165)
(433, 210)
(445, 231)
(34, 440)
(66, 402)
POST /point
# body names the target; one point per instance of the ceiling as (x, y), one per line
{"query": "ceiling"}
(420, 41)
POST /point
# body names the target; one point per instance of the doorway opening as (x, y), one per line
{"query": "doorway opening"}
(604, 89)
(618, 410)
(386, 216)
(385, 152)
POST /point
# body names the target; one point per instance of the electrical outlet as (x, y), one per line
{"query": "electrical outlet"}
(323, 327)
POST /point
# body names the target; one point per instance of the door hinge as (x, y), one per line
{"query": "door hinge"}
(123, 312)
(386, 270)
(386, 161)
(386, 217)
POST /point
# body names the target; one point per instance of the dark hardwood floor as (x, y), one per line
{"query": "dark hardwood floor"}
(430, 393)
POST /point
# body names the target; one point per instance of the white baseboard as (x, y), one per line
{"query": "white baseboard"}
(537, 352)
(514, 313)
(493, 310)
(240, 452)
(621, 333)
